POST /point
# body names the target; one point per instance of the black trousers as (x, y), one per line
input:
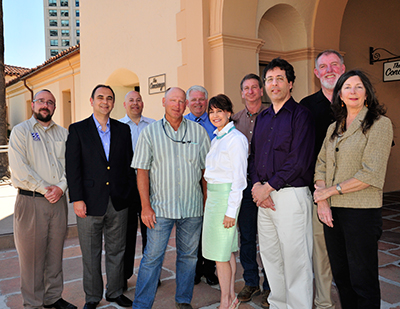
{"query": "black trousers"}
(352, 246)
(134, 218)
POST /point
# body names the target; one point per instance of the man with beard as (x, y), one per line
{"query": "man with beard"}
(329, 67)
(36, 154)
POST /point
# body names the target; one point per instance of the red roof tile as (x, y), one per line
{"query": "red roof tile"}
(54, 59)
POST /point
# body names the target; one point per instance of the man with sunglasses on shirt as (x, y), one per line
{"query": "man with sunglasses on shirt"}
(170, 161)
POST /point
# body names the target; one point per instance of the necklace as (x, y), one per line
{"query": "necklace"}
(219, 137)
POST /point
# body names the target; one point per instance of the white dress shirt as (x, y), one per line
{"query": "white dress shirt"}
(226, 162)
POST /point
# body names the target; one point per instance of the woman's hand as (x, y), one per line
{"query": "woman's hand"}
(325, 213)
(228, 222)
(321, 193)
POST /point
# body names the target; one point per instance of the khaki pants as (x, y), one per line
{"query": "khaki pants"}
(285, 238)
(39, 232)
(321, 265)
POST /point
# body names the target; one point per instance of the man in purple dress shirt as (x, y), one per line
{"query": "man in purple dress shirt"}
(281, 168)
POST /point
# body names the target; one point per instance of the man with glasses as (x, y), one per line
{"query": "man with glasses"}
(197, 97)
(281, 167)
(36, 155)
(252, 90)
(170, 161)
(98, 158)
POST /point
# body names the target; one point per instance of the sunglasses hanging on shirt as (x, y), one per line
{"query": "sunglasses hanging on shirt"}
(182, 140)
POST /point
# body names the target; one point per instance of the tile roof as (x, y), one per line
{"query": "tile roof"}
(14, 70)
(68, 52)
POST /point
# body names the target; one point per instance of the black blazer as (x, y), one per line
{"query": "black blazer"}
(90, 176)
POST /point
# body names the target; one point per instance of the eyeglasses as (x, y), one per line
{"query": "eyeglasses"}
(42, 102)
(279, 79)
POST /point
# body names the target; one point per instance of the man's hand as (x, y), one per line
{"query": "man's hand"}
(325, 213)
(53, 194)
(228, 222)
(148, 217)
(268, 203)
(80, 209)
(261, 193)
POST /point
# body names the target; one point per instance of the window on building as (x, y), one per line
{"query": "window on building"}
(52, 2)
(53, 22)
(64, 13)
(64, 23)
(78, 32)
(77, 13)
(65, 32)
(53, 32)
(53, 52)
(53, 42)
(65, 42)
(77, 3)
(77, 41)
(52, 12)
(77, 23)
(64, 2)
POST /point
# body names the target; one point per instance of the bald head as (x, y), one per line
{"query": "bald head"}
(133, 105)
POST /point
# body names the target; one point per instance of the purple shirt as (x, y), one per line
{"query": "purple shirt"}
(282, 148)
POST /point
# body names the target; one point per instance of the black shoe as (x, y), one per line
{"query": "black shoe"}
(91, 305)
(212, 279)
(159, 283)
(121, 300)
(61, 304)
(197, 279)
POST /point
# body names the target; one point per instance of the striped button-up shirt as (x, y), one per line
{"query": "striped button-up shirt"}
(175, 161)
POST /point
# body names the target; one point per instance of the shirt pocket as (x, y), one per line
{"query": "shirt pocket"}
(283, 141)
(59, 149)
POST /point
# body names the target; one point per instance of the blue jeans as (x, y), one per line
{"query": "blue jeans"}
(187, 241)
(247, 222)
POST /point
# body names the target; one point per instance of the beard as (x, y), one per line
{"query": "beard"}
(40, 117)
(329, 84)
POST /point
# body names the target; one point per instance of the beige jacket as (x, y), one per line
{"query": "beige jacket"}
(358, 155)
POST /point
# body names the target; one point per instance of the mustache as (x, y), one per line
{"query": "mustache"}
(44, 109)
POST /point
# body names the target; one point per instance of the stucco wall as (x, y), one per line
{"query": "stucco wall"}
(371, 23)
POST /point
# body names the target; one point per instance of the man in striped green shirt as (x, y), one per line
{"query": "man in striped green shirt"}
(170, 161)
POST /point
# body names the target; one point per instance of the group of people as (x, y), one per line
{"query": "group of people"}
(306, 178)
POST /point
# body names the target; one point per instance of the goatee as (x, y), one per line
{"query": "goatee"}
(40, 117)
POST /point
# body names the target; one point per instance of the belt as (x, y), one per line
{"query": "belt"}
(30, 193)
(263, 182)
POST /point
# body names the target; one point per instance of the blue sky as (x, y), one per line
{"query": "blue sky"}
(24, 32)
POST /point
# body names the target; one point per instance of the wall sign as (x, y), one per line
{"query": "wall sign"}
(157, 84)
(391, 71)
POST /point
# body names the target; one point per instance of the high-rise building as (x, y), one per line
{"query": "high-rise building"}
(61, 25)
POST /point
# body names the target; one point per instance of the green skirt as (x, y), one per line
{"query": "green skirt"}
(218, 242)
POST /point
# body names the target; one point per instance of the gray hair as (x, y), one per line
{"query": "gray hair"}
(196, 88)
(328, 52)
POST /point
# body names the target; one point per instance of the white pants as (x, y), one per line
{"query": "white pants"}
(285, 238)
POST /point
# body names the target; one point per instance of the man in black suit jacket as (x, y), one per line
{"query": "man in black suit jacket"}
(98, 158)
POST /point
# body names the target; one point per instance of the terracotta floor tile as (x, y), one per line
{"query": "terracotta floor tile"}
(385, 258)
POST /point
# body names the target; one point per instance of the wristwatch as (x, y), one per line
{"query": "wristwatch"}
(339, 189)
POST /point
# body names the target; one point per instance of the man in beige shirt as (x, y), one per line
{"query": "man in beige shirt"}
(37, 162)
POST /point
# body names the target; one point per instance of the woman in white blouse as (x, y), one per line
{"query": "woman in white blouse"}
(226, 173)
